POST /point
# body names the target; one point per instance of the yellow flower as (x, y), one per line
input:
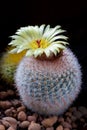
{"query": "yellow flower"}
(38, 40)
(8, 65)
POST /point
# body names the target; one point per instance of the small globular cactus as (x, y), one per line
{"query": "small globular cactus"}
(8, 64)
(48, 78)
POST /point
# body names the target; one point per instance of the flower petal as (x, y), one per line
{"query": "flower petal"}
(60, 42)
(58, 37)
(14, 50)
(47, 52)
(55, 33)
(50, 31)
(29, 53)
(38, 52)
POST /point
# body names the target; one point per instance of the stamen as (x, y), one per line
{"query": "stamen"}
(38, 43)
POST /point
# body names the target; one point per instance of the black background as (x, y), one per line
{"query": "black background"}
(70, 14)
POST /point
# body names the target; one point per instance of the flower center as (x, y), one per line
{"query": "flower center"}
(39, 44)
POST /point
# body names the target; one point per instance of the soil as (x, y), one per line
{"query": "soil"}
(15, 116)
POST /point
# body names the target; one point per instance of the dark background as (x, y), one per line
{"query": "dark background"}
(70, 14)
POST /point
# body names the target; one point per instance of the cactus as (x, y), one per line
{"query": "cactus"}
(48, 78)
(8, 64)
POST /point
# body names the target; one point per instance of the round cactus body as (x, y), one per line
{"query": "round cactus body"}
(49, 86)
(8, 64)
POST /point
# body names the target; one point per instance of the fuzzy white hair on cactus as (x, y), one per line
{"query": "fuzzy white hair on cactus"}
(48, 78)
